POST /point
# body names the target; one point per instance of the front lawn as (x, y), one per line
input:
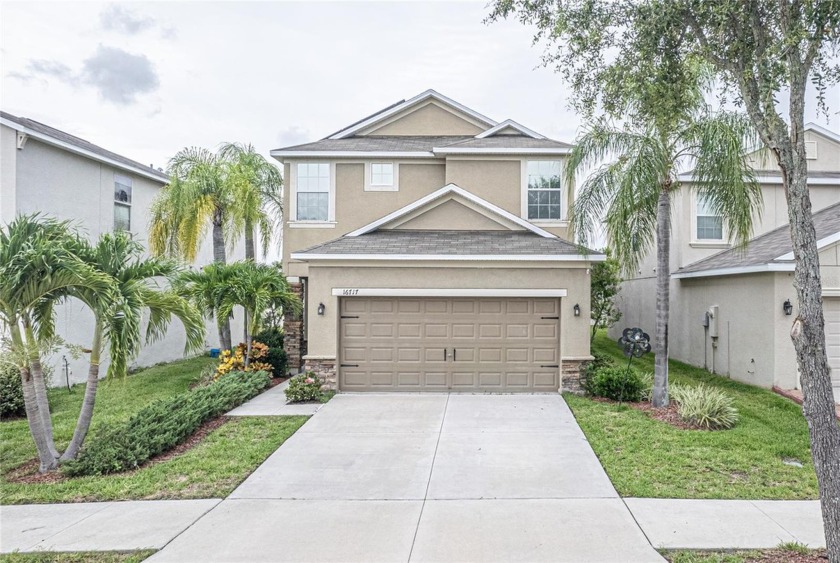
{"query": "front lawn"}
(648, 458)
(77, 557)
(212, 468)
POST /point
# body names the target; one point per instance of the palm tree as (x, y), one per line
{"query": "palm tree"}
(39, 262)
(217, 288)
(257, 186)
(632, 193)
(118, 321)
(256, 288)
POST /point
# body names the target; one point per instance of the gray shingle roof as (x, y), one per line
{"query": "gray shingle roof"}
(399, 143)
(64, 137)
(765, 249)
(455, 243)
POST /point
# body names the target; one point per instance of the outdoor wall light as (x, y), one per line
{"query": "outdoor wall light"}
(788, 307)
(577, 310)
(321, 308)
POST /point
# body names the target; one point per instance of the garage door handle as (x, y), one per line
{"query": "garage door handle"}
(348, 365)
(550, 366)
(454, 355)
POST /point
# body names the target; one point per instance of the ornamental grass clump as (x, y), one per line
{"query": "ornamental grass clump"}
(705, 407)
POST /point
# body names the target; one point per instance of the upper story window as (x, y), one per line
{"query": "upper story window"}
(381, 177)
(122, 203)
(544, 193)
(709, 224)
(313, 191)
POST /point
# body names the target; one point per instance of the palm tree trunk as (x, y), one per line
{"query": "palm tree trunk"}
(36, 372)
(250, 253)
(33, 416)
(219, 256)
(86, 413)
(247, 340)
(663, 290)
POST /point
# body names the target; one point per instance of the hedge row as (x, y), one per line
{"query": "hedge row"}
(163, 425)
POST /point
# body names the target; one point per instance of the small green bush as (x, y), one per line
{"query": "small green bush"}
(706, 407)
(273, 338)
(588, 372)
(617, 384)
(304, 387)
(163, 425)
(11, 392)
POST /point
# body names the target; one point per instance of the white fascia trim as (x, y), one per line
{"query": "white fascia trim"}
(822, 243)
(811, 126)
(521, 151)
(440, 292)
(74, 149)
(450, 189)
(735, 271)
(306, 257)
(513, 125)
(408, 103)
(812, 180)
(281, 154)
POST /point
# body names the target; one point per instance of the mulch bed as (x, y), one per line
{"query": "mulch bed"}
(783, 556)
(27, 473)
(668, 415)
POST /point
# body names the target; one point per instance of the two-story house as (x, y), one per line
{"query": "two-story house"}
(47, 171)
(732, 310)
(430, 245)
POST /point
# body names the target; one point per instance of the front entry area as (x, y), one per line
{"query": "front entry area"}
(437, 344)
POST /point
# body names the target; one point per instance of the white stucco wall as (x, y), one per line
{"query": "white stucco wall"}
(58, 183)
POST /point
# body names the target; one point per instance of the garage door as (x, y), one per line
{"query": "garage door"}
(453, 344)
(831, 308)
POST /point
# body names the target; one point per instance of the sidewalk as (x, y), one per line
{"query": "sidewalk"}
(273, 403)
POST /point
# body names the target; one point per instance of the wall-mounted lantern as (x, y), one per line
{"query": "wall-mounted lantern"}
(576, 309)
(788, 307)
(321, 308)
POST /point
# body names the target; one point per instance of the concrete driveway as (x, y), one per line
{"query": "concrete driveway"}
(387, 477)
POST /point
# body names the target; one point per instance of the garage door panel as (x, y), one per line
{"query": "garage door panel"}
(460, 344)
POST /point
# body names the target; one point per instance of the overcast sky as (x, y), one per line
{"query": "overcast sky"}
(146, 79)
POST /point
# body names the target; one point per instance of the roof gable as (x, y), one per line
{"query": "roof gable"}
(377, 121)
(509, 127)
(444, 194)
(452, 213)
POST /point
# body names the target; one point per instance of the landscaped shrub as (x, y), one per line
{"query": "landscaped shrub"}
(273, 338)
(235, 361)
(617, 384)
(11, 391)
(304, 387)
(599, 362)
(163, 425)
(706, 407)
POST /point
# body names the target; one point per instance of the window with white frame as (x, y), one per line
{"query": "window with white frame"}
(381, 173)
(122, 203)
(709, 224)
(313, 191)
(545, 196)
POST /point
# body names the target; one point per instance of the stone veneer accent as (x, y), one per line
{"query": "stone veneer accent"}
(570, 373)
(324, 368)
(293, 334)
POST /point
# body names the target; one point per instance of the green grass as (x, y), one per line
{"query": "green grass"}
(212, 468)
(781, 553)
(77, 557)
(648, 458)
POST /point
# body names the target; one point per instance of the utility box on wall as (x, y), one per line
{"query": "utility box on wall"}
(713, 321)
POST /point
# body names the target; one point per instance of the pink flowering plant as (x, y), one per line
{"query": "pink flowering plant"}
(304, 388)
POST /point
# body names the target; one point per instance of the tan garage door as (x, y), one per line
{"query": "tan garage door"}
(831, 308)
(449, 344)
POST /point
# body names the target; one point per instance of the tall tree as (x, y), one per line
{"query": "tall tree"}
(634, 190)
(199, 193)
(39, 262)
(761, 49)
(118, 319)
(257, 185)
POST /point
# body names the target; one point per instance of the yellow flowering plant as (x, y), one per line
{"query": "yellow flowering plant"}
(235, 360)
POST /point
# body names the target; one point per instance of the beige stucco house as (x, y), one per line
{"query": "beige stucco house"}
(50, 172)
(727, 306)
(430, 246)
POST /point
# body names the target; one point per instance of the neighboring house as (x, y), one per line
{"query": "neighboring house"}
(47, 171)
(430, 243)
(728, 306)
